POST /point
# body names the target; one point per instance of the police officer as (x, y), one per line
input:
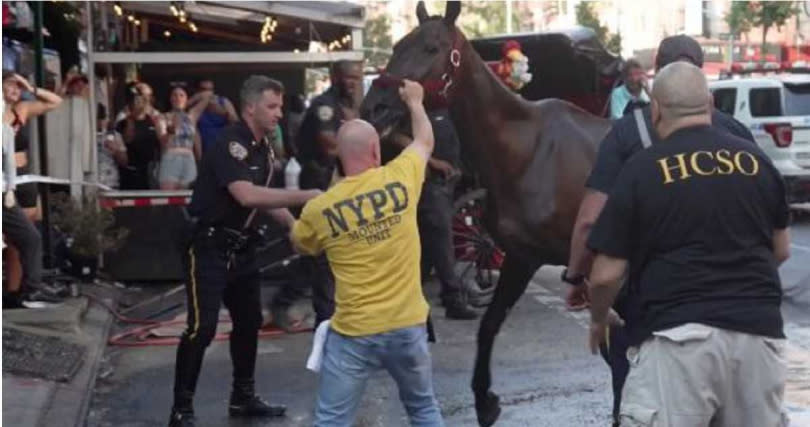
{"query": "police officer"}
(231, 189)
(629, 135)
(317, 139)
(436, 213)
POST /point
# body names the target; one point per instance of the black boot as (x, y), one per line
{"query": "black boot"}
(245, 402)
(458, 309)
(181, 418)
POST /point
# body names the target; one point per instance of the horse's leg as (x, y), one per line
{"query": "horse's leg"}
(515, 276)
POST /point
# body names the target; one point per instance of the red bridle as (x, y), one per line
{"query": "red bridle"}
(436, 90)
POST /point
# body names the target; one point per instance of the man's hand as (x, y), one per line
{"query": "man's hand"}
(577, 298)
(599, 330)
(411, 92)
(446, 169)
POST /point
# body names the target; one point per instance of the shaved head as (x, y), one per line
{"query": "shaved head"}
(358, 146)
(680, 99)
(680, 90)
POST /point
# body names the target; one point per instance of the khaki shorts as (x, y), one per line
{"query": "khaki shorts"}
(700, 376)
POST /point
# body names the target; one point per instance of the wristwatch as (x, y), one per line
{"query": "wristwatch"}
(578, 280)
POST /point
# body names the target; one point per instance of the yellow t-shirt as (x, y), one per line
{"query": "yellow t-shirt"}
(366, 224)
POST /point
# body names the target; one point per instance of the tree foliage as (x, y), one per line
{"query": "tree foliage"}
(772, 14)
(586, 17)
(743, 16)
(377, 40)
(740, 18)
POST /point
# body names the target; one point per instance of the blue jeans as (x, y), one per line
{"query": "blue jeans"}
(349, 361)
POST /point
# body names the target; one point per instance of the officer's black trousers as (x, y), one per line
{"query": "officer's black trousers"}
(435, 218)
(210, 284)
(615, 354)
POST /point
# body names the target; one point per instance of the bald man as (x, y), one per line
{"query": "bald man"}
(628, 135)
(366, 225)
(699, 224)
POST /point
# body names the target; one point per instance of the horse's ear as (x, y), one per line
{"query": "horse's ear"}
(421, 12)
(452, 11)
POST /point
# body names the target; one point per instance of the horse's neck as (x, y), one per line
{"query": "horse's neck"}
(481, 109)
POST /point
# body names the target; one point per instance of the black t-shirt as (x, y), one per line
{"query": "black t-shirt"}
(623, 141)
(235, 156)
(616, 148)
(448, 147)
(141, 151)
(695, 215)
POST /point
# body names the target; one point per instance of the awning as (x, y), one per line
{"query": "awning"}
(224, 31)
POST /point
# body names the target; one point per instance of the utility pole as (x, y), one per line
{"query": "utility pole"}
(39, 77)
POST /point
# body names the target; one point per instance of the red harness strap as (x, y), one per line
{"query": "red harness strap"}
(436, 90)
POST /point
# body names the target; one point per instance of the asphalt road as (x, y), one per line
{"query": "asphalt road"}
(541, 368)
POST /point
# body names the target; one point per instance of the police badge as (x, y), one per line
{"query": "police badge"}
(237, 150)
(325, 113)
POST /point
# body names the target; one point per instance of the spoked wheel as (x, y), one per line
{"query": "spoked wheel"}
(477, 256)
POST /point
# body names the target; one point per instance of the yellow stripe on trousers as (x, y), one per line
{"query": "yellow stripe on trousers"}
(192, 274)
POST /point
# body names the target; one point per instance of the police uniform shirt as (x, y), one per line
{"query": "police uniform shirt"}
(448, 147)
(623, 141)
(324, 114)
(235, 156)
(695, 216)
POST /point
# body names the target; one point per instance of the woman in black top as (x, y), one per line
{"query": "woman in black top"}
(140, 130)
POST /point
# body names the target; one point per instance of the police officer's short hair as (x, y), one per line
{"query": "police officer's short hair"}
(630, 64)
(255, 86)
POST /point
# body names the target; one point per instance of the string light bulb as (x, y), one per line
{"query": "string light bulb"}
(131, 18)
(174, 10)
(268, 28)
(137, 22)
(167, 33)
(193, 26)
(118, 10)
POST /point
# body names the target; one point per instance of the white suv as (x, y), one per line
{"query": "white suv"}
(777, 111)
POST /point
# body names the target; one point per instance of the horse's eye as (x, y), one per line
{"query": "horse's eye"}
(432, 49)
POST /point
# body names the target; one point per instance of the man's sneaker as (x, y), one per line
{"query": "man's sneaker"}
(39, 299)
(459, 310)
(181, 419)
(254, 406)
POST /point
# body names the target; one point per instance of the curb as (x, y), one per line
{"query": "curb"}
(70, 403)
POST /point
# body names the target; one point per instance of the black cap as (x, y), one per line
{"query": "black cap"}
(678, 48)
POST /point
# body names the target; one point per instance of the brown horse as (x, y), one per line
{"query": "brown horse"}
(532, 157)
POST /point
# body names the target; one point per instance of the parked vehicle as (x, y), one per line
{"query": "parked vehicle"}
(776, 108)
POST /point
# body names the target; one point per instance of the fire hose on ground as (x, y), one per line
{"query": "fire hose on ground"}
(143, 336)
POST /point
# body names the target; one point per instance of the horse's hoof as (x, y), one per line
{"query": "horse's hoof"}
(488, 409)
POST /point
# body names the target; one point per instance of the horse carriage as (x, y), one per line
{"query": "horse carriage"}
(571, 65)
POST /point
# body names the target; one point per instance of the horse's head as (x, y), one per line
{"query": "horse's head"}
(430, 54)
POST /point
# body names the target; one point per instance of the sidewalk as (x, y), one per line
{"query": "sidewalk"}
(32, 402)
